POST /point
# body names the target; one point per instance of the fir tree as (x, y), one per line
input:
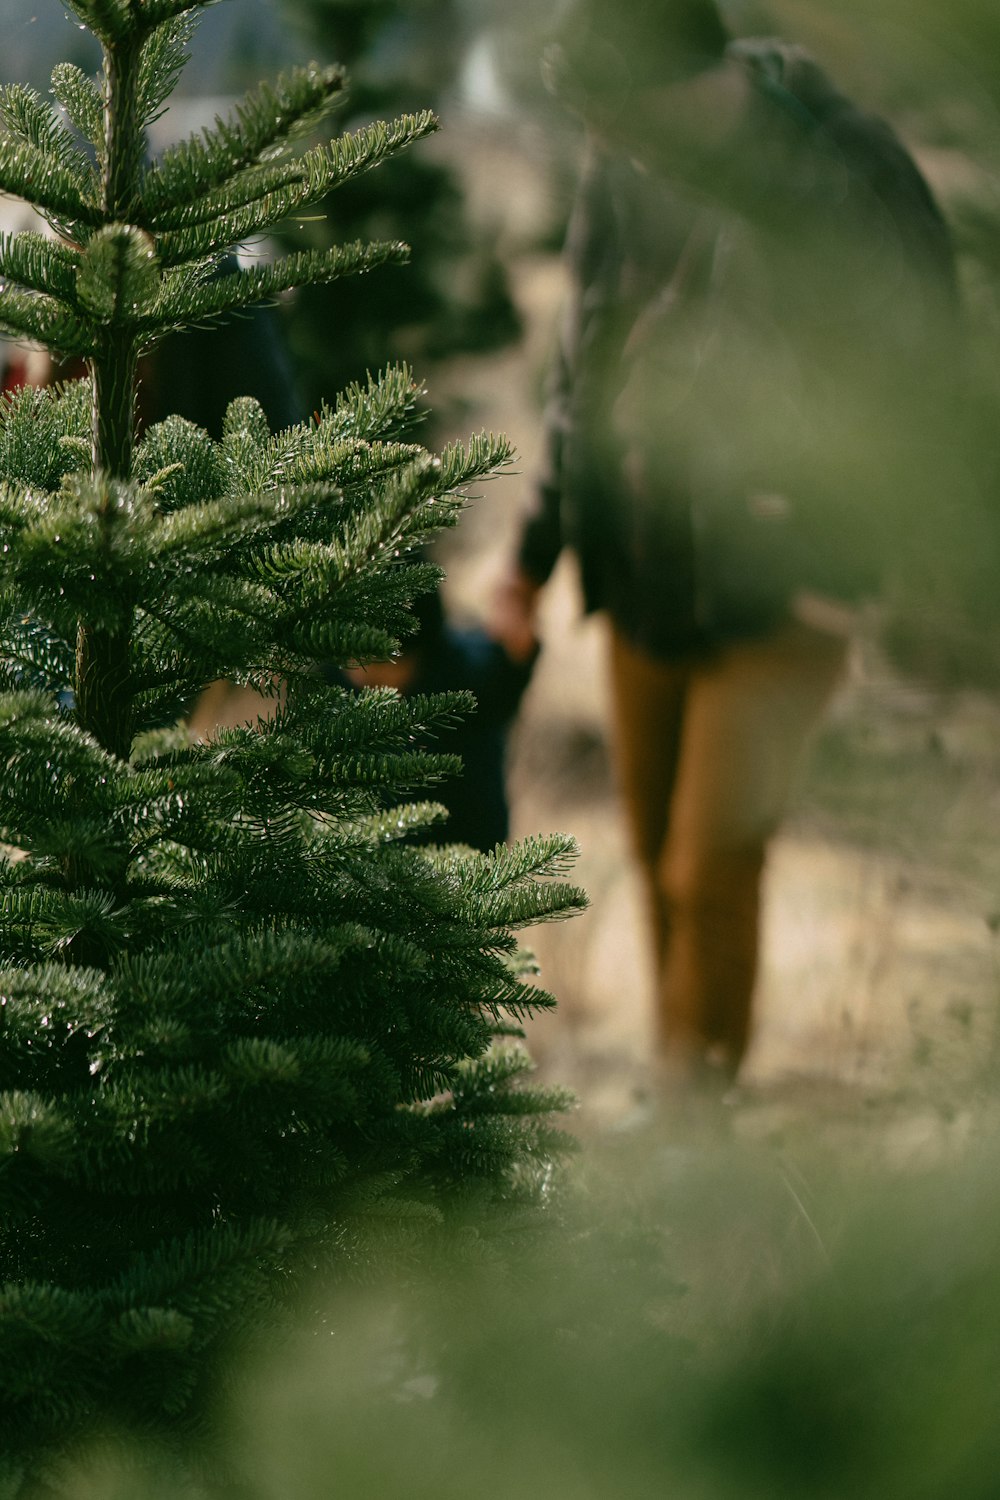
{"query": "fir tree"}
(454, 297)
(241, 1021)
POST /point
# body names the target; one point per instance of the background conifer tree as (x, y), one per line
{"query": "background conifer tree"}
(228, 987)
(454, 297)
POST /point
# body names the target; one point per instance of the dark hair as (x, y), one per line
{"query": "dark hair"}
(626, 44)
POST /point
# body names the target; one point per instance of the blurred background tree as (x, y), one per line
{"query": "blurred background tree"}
(453, 297)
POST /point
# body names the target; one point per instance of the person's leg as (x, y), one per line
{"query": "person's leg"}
(747, 717)
(647, 699)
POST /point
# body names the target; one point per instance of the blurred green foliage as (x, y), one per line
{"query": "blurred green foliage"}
(932, 68)
(706, 1320)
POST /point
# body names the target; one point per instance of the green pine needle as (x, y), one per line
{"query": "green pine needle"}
(267, 120)
(184, 304)
(163, 58)
(38, 264)
(118, 276)
(262, 197)
(26, 116)
(44, 321)
(43, 180)
(81, 99)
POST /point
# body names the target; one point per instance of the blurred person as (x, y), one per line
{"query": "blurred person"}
(763, 289)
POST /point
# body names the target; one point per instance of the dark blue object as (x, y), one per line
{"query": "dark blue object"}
(450, 659)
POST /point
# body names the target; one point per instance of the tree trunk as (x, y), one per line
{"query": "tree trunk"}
(103, 654)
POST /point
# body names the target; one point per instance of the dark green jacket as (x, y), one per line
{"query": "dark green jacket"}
(749, 364)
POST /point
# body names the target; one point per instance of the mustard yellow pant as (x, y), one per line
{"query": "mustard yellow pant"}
(707, 751)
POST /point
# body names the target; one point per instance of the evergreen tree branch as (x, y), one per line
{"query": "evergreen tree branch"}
(154, 13)
(27, 116)
(525, 905)
(41, 430)
(45, 759)
(83, 995)
(163, 57)
(532, 858)
(182, 304)
(373, 537)
(195, 1274)
(34, 656)
(117, 21)
(109, 20)
(81, 99)
(181, 463)
(460, 464)
(353, 463)
(202, 533)
(45, 321)
(263, 196)
(264, 122)
(396, 823)
(381, 408)
(117, 280)
(483, 1086)
(30, 173)
(40, 265)
(341, 722)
